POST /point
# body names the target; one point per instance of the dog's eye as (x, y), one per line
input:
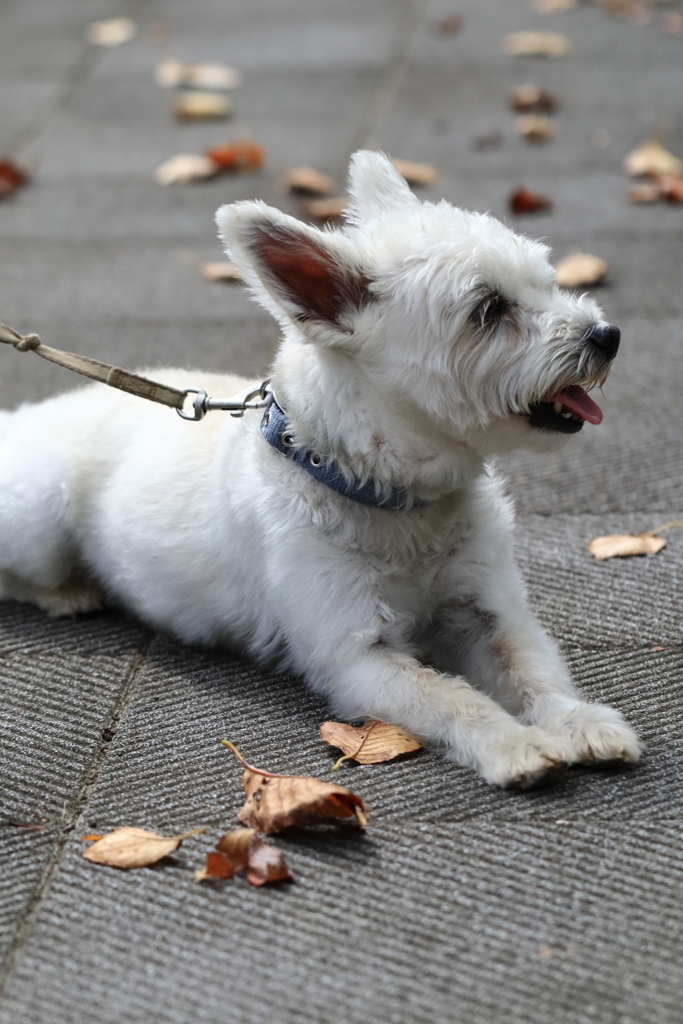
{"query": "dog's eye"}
(490, 310)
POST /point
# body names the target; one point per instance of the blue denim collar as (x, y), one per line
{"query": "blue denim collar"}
(277, 432)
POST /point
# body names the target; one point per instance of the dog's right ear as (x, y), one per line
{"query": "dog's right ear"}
(297, 272)
(376, 187)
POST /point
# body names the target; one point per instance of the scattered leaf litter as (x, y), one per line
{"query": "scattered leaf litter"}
(535, 127)
(172, 74)
(134, 847)
(370, 743)
(275, 802)
(580, 269)
(416, 173)
(523, 200)
(532, 99)
(536, 44)
(202, 106)
(110, 32)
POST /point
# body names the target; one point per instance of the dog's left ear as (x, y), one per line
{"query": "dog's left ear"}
(297, 272)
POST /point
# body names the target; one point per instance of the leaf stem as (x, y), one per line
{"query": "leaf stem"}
(194, 832)
(250, 767)
(673, 525)
(350, 757)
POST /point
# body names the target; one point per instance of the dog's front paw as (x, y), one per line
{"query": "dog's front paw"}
(594, 733)
(525, 758)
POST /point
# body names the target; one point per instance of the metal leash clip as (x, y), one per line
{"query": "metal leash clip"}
(236, 406)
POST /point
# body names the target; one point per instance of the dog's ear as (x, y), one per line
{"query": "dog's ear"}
(376, 187)
(297, 272)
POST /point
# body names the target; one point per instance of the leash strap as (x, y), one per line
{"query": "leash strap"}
(114, 376)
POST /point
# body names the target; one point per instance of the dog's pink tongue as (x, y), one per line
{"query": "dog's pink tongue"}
(579, 402)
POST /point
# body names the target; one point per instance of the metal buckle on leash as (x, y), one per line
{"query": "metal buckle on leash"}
(236, 406)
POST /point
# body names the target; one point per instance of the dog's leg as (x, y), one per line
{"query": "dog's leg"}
(446, 710)
(496, 640)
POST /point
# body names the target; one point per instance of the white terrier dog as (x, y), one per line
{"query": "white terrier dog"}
(357, 535)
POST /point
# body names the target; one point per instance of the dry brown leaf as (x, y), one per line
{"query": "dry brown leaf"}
(306, 181)
(172, 73)
(624, 544)
(652, 160)
(90, 838)
(667, 187)
(240, 155)
(535, 127)
(11, 178)
(416, 173)
(580, 268)
(266, 864)
(185, 167)
(134, 847)
(555, 6)
(275, 802)
(536, 44)
(646, 193)
(225, 272)
(111, 32)
(240, 850)
(325, 209)
(525, 201)
(202, 106)
(530, 98)
(372, 743)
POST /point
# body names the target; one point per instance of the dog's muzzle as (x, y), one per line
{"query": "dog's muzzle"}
(567, 410)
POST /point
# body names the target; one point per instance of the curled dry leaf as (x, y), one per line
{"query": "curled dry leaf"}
(535, 127)
(11, 178)
(416, 173)
(184, 168)
(266, 864)
(622, 545)
(306, 181)
(525, 201)
(172, 73)
(652, 160)
(536, 44)
(202, 106)
(241, 850)
(134, 847)
(530, 98)
(225, 272)
(275, 802)
(325, 209)
(580, 268)
(240, 155)
(372, 743)
(111, 32)
(667, 187)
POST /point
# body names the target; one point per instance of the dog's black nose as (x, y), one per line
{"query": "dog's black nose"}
(606, 338)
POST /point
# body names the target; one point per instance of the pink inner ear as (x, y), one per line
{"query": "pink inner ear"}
(308, 273)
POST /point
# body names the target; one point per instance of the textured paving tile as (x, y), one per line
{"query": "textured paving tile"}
(473, 922)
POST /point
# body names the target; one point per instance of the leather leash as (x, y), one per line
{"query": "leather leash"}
(134, 384)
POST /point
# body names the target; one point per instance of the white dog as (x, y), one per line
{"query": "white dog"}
(358, 535)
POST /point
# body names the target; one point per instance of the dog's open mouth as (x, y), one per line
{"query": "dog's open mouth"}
(566, 411)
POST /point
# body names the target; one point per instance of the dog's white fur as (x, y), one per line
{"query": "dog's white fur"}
(417, 617)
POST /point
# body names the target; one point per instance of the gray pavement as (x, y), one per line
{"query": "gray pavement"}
(462, 904)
